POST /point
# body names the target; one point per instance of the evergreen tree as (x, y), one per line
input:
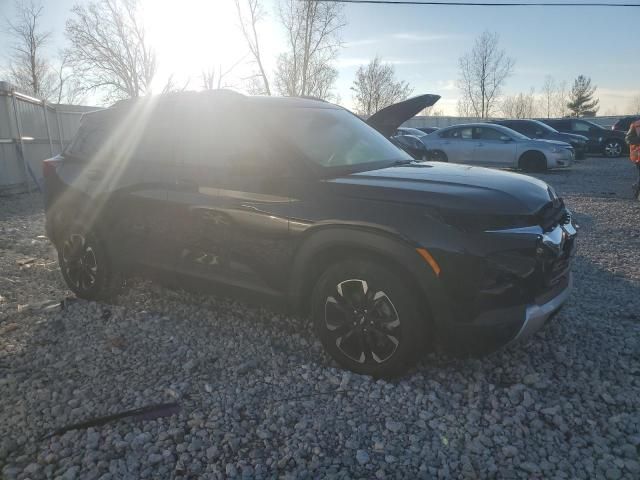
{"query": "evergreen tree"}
(581, 101)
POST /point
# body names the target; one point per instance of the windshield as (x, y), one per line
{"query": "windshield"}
(335, 138)
(544, 126)
(513, 133)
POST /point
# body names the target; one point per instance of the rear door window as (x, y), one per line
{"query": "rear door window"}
(92, 140)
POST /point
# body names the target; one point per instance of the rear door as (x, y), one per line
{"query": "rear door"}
(126, 176)
(492, 148)
(458, 144)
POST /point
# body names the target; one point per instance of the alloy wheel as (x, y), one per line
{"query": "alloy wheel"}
(613, 149)
(79, 262)
(363, 322)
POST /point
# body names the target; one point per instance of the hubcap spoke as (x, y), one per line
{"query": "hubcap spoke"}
(80, 264)
(363, 322)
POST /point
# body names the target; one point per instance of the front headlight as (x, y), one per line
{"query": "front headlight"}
(556, 150)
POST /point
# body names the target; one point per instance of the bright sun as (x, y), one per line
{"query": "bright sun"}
(191, 36)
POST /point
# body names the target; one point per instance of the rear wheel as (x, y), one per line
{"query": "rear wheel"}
(367, 319)
(438, 156)
(613, 148)
(86, 267)
(533, 162)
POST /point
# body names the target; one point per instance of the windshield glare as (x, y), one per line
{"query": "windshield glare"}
(335, 138)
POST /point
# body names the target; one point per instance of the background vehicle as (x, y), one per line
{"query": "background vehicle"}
(412, 145)
(319, 211)
(410, 131)
(497, 146)
(428, 130)
(623, 124)
(542, 131)
(609, 143)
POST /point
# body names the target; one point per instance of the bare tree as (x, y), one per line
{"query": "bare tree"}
(432, 112)
(522, 105)
(561, 98)
(108, 49)
(376, 87)
(249, 16)
(483, 72)
(29, 68)
(213, 77)
(634, 107)
(67, 86)
(549, 91)
(312, 30)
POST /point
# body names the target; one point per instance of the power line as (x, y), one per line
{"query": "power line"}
(482, 4)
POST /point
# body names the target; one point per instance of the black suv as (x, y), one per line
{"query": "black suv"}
(317, 209)
(609, 143)
(537, 129)
(623, 124)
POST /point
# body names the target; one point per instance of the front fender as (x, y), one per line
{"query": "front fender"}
(369, 241)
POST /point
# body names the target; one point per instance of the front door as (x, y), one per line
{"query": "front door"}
(493, 147)
(230, 202)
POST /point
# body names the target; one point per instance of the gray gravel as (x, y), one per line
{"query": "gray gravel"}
(259, 399)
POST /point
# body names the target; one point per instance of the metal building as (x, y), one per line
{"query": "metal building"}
(30, 131)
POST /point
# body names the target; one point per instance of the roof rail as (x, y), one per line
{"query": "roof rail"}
(218, 92)
(310, 97)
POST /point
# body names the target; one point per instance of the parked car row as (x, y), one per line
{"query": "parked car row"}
(527, 144)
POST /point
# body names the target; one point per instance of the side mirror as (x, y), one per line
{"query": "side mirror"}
(539, 133)
(505, 138)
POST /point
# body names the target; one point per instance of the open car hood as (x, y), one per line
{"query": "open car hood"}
(387, 120)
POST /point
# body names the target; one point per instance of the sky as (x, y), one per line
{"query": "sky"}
(424, 44)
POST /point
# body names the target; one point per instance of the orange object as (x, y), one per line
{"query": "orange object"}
(424, 253)
(634, 150)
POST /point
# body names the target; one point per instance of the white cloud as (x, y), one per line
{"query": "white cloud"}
(420, 37)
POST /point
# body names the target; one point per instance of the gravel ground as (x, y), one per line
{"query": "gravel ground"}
(259, 399)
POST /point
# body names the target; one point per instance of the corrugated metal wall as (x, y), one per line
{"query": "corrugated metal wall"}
(31, 131)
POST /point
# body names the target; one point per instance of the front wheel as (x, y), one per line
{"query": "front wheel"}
(86, 267)
(438, 156)
(367, 319)
(613, 148)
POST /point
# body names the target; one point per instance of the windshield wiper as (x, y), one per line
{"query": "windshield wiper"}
(397, 163)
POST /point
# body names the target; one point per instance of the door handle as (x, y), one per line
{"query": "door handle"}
(186, 185)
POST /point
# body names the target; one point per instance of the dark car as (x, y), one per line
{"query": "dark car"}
(427, 130)
(623, 124)
(416, 132)
(609, 143)
(412, 145)
(319, 211)
(542, 131)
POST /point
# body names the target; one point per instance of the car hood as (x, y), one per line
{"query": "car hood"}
(574, 137)
(450, 186)
(387, 120)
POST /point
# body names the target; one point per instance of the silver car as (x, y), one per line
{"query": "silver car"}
(496, 146)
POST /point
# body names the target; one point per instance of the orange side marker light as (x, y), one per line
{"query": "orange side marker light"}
(424, 253)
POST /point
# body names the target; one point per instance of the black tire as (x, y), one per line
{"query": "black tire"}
(367, 318)
(86, 266)
(534, 162)
(612, 148)
(438, 156)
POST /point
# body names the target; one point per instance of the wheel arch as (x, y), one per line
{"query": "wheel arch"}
(330, 244)
(532, 153)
